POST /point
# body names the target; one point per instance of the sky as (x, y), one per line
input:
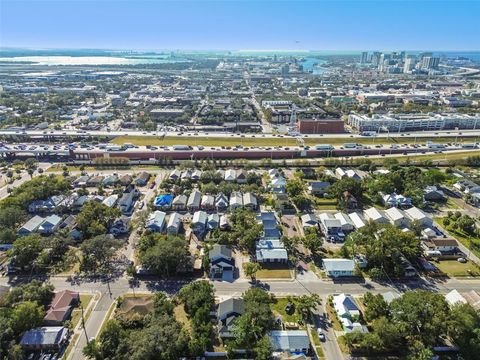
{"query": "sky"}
(241, 24)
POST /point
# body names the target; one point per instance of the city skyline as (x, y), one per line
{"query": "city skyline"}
(233, 25)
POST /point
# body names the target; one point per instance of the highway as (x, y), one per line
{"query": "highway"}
(116, 133)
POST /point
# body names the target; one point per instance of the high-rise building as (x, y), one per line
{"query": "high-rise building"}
(409, 65)
(364, 58)
(430, 62)
(376, 58)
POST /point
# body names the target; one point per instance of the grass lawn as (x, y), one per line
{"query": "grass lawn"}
(325, 204)
(461, 236)
(317, 344)
(450, 204)
(181, 316)
(342, 344)
(72, 342)
(332, 315)
(261, 141)
(279, 309)
(77, 312)
(274, 274)
(455, 268)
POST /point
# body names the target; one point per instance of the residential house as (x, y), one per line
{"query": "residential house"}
(375, 215)
(110, 201)
(126, 201)
(208, 202)
(417, 215)
(271, 254)
(193, 202)
(293, 341)
(241, 176)
(48, 338)
(179, 203)
(156, 221)
(236, 200)
(81, 181)
(186, 175)
(175, 175)
(467, 186)
(30, 226)
(339, 267)
(346, 307)
(227, 312)
(396, 200)
(230, 175)
(213, 221)
(349, 200)
(110, 180)
(250, 201)
(222, 264)
(397, 217)
(174, 223)
(49, 205)
(221, 202)
(357, 220)
(433, 193)
(163, 201)
(61, 307)
(196, 175)
(224, 224)
(142, 178)
(345, 222)
(95, 181)
(318, 188)
(270, 226)
(49, 225)
(309, 220)
(199, 222)
(278, 185)
(125, 180)
(444, 246)
(331, 227)
(283, 205)
(120, 226)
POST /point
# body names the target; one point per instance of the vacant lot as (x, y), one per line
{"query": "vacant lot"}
(279, 309)
(274, 274)
(455, 268)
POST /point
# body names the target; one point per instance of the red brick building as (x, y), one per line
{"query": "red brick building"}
(321, 126)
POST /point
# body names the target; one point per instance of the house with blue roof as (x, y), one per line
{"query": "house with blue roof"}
(163, 201)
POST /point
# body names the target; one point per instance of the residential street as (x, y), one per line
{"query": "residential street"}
(113, 289)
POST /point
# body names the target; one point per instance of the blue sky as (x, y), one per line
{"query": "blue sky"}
(247, 24)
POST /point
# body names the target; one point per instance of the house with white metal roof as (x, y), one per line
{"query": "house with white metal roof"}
(156, 221)
(339, 267)
(375, 215)
(174, 223)
(397, 217)
(415, 214)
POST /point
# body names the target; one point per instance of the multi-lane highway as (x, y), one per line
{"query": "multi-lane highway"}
(116, 133)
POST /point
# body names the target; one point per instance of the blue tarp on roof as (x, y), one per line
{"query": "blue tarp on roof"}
(163, 200)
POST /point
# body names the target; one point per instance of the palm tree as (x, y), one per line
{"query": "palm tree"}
(251, 269)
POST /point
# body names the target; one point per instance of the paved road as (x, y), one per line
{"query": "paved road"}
(112, 289)
(330, 345)
(24, 177)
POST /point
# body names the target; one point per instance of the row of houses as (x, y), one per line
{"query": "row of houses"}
(269, 248)
(231, 175)
(196, 201)
(111, 180)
